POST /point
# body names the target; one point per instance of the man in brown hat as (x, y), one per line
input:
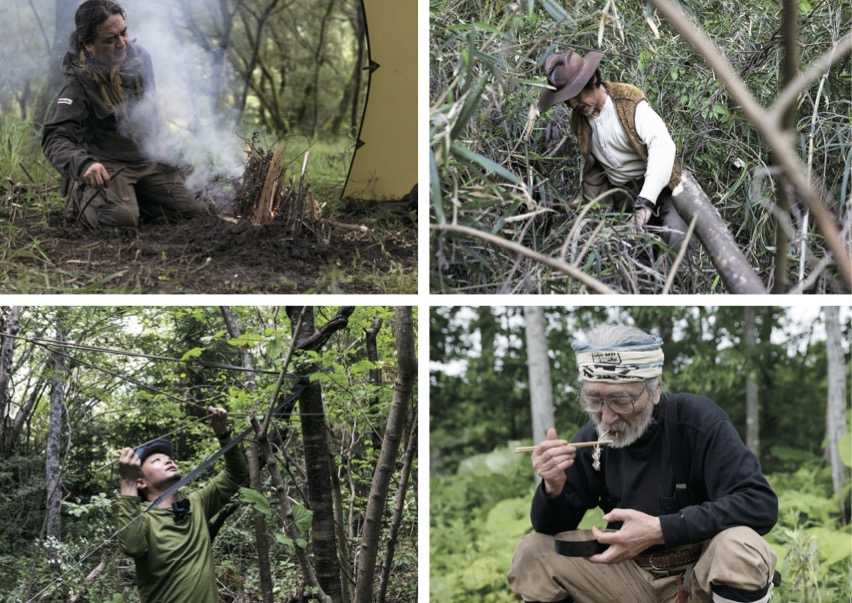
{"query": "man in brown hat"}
(625, 145)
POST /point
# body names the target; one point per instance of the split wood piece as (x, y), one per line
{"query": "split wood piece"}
(263, 213)
(690, 201)
(520, 449)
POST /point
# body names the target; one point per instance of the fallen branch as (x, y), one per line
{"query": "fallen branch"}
(693, 205)
(571, 271)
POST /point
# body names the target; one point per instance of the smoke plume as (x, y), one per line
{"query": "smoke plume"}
(185, 126)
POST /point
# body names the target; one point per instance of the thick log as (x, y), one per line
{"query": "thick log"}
(736, 272)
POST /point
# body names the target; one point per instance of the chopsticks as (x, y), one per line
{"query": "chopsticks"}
(520, 449)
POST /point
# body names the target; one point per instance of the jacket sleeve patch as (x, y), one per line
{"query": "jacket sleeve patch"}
(65, 101)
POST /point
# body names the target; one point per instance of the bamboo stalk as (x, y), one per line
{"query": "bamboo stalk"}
(520, 449)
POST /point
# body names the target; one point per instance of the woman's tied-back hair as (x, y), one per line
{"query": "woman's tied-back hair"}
(89, 15)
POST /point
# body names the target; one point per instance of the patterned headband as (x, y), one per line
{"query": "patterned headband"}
(627, 362)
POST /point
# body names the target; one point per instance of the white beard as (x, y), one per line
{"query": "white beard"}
(621, 434)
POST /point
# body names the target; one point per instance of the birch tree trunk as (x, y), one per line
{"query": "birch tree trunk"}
(406, 376)
(541, 391)
(835, 416)
(52, 465)
(752, 416)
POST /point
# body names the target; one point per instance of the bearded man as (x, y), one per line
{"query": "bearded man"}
(94, 133)
(686, 498)
(170, 544)
(626, 147)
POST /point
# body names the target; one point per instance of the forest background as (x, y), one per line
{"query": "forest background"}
(289, 70)
(781, 374)
(499, 168)
(345, 442)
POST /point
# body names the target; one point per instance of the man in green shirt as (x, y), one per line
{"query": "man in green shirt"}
(170, 543)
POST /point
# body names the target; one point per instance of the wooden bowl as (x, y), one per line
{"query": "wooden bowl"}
(579, 543)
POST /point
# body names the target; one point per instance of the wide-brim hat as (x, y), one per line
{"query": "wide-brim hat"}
(568, 73)
(162, 446)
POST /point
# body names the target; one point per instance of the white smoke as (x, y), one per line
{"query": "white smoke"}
(198, 135)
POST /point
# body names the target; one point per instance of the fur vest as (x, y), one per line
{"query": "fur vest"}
(625, 98)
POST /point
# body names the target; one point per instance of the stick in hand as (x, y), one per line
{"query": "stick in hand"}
(520, 449)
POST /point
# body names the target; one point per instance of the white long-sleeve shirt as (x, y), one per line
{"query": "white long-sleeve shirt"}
(611, 147)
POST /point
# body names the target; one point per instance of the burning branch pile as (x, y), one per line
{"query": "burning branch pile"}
(266, 195)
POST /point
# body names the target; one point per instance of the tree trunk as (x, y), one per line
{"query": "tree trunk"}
(835, 416)
(253, 456)
(317, 467)
(541, 391)
(752, 416)
(406, 375)
(789, 72)
(7, 352)
(346, 577)
(690, 201)
(64, 24)
(319, 490)
(287, 510)
(52, 465)
(398, 511)
(259, 524)
(319, 59)
(371, 333)
(252, 62)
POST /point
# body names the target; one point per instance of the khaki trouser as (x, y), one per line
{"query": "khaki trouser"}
(152, 189)
(673, 227)
(737, 557)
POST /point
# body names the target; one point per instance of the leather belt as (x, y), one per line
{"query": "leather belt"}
(670, 558)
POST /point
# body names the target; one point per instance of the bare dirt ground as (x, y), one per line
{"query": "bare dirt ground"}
(205, 256)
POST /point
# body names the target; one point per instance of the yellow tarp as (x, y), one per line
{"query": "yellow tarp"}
(385, 165)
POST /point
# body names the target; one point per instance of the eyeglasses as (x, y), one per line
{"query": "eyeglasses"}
(620, 404)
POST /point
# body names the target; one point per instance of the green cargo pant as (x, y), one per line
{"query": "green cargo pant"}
(150, 189)
(737, 557)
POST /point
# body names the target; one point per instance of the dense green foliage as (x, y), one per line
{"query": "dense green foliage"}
(494, 159)
(480, 491)
(116, 400)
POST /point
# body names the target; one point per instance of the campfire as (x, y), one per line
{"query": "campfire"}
(266, 195)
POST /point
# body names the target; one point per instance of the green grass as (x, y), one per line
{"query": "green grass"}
(25, 266)
(20, 148)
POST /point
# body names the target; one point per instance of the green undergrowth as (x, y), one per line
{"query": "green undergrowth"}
(479, 513)
(499, 167)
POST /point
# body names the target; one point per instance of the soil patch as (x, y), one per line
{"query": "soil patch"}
(209, 255)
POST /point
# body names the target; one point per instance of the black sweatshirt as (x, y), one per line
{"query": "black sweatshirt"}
(725, 482)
